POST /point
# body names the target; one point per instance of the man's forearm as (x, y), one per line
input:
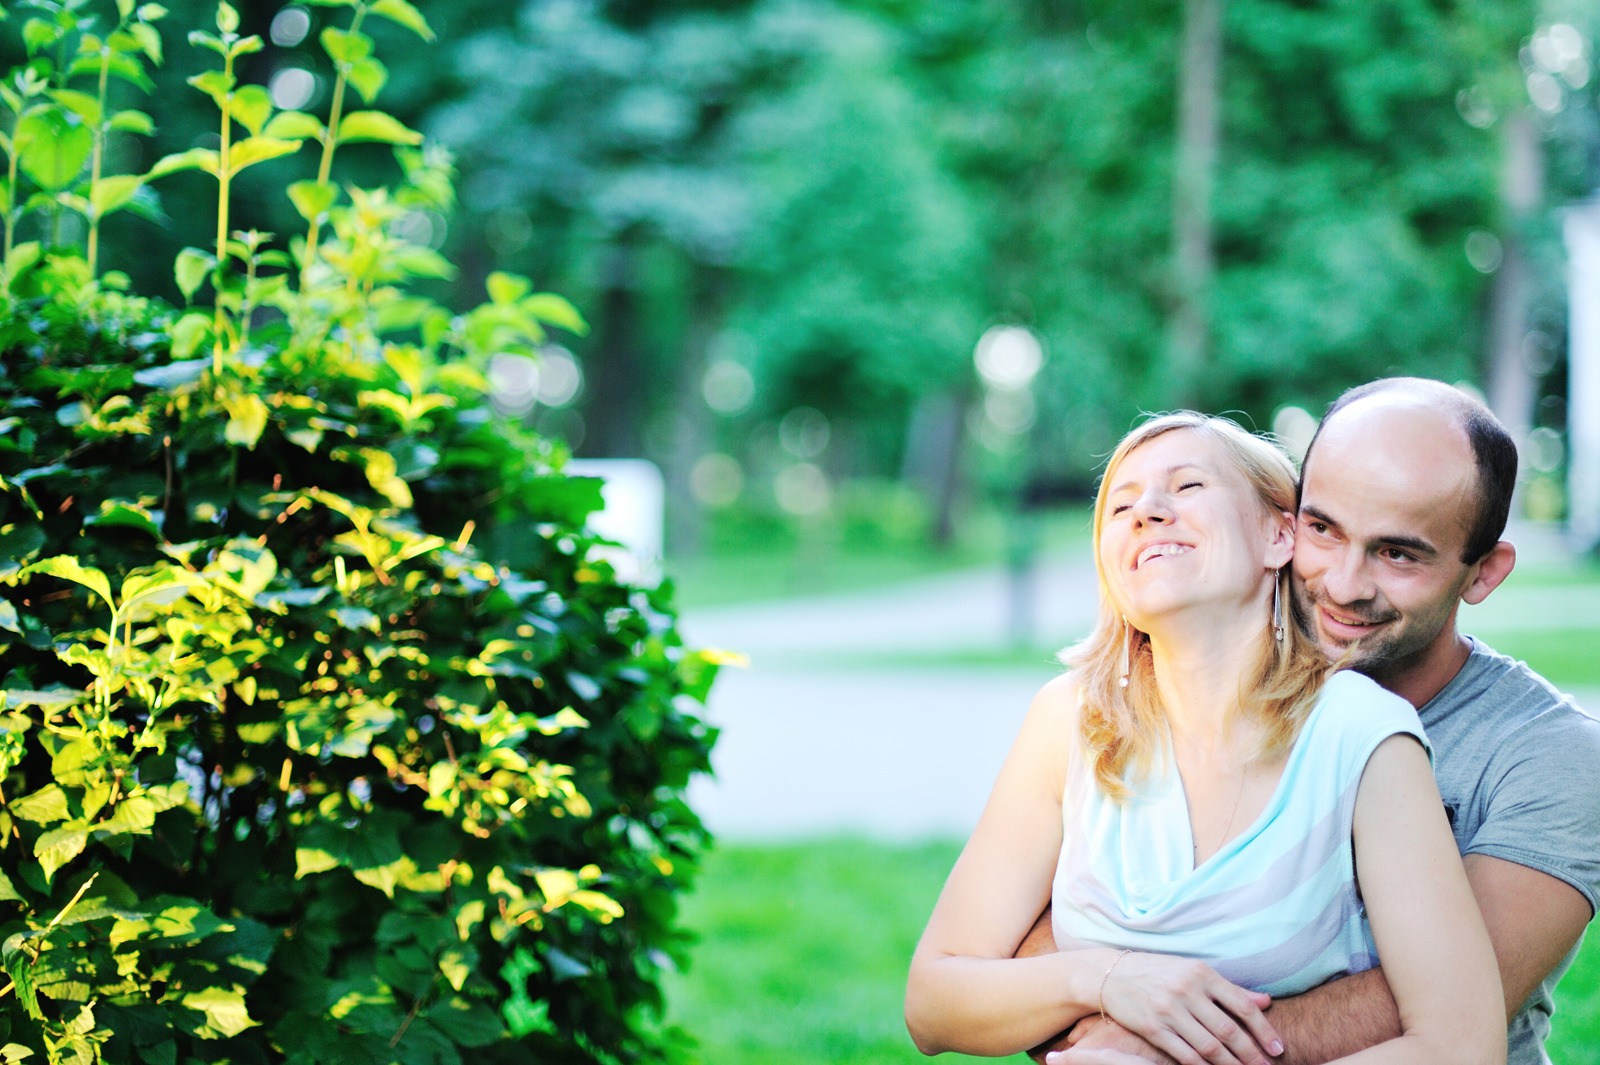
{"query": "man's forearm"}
(1337, 1018)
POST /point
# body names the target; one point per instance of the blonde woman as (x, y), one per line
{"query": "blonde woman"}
(1215, 814)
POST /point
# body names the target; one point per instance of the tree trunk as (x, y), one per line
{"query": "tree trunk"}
(1513, 384)
(1193, 258)
(616, 407)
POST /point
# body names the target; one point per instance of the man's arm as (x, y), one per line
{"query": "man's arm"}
(1533, 920)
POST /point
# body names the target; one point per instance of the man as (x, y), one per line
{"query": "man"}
(1404, 495)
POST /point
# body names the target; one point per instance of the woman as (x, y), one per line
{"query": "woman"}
(1196, 797)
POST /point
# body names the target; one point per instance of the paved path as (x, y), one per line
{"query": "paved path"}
(822, 733)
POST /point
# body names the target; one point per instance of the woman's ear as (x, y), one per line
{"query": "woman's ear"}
(1280, 546)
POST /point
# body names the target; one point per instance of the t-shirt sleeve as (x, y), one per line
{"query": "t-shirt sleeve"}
(1544, 805)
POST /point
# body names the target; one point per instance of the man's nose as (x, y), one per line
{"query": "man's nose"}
(1347, 580)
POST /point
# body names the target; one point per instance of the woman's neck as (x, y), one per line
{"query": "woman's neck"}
(1200, 669)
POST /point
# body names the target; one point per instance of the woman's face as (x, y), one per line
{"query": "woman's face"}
(1182, 528)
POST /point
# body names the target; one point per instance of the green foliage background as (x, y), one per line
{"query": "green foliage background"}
(327, 734)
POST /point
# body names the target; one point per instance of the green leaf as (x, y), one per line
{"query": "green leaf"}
(53, 145)
(188, 333)
(68, 568)
(343, 46)
(312, 199)
(23, 257)
(8, 891)
(227, 18)
(506, 289)
(114, 193)
(67, 764)
(253, 150)
(216, 84)
(226, 1014)
(50, 699)
(9, 619)
(295, 125)
(252, 106)
(247, 419)
(402, 12)
(133, 122)
(59, 846)
(194, 159)
(38, 35)
(82, 104)
(368, 76)
(376, 126)
(45, 806)
(147, 36)
(548, 307)
(193, 266)
(311, 860)
(121, 514)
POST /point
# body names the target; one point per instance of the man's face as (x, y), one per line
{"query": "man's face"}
(1386, 501)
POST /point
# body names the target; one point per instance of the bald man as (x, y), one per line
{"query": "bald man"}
(1404, 494)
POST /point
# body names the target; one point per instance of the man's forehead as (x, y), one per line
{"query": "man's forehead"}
(1393, 470)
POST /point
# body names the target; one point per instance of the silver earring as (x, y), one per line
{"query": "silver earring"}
(1277, 606)
(1127, 653)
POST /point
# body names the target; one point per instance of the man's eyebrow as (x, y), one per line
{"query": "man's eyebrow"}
(1414, 544)
(1309, 511)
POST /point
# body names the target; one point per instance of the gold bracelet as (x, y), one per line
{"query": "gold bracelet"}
(1107, 976)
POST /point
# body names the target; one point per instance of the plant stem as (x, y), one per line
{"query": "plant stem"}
(92, 253)
(223, 188)
(330, 142)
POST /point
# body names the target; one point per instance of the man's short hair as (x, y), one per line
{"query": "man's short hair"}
(1492, 447)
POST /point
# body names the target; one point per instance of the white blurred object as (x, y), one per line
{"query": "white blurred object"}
(634, 515)
(1582, 229)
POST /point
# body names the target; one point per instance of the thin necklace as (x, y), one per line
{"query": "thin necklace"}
(1231, 815)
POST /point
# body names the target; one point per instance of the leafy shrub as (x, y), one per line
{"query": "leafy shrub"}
(326, 736)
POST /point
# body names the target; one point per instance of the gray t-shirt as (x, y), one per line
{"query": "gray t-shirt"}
(1518, 764)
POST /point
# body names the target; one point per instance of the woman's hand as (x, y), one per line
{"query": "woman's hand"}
(1184, 1009)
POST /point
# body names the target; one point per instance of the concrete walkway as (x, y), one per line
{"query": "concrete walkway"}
(827, 732)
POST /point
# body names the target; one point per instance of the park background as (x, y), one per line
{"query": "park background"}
(790, 225)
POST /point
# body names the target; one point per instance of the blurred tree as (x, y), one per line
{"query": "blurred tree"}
(838, 196)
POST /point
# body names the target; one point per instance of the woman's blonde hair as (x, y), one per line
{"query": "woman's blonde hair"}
(1123, 728)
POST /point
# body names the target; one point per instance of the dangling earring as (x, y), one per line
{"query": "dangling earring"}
(1277, 606)
(1127, 653)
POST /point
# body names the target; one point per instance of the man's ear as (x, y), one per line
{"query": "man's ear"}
(1280, 547)
(1493, 568)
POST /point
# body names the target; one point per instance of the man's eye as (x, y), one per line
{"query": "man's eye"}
(1394, 554)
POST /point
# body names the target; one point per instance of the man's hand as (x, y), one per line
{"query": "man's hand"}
(1091, 1039)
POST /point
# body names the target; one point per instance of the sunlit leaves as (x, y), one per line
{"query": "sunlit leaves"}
(376, 126)
(311, 633)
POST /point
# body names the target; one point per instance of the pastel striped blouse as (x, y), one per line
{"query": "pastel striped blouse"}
(1276, 909)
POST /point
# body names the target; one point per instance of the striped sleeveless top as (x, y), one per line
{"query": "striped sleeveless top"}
(1277, 908)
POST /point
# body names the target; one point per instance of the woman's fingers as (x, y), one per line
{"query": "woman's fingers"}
(1186, 1010)
(1245, 1007)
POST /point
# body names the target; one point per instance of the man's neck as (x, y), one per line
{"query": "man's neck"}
(1419, 679)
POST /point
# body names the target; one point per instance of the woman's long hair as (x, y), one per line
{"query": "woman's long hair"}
(1123, 728)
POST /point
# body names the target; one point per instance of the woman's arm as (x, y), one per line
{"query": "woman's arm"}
(966, 992)
(1431, 939)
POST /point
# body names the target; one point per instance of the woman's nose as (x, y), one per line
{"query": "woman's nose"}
(1151, 508)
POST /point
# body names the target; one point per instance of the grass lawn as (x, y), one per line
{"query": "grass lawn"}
(804, 952)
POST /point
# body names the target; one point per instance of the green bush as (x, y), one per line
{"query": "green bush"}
(326, 736)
